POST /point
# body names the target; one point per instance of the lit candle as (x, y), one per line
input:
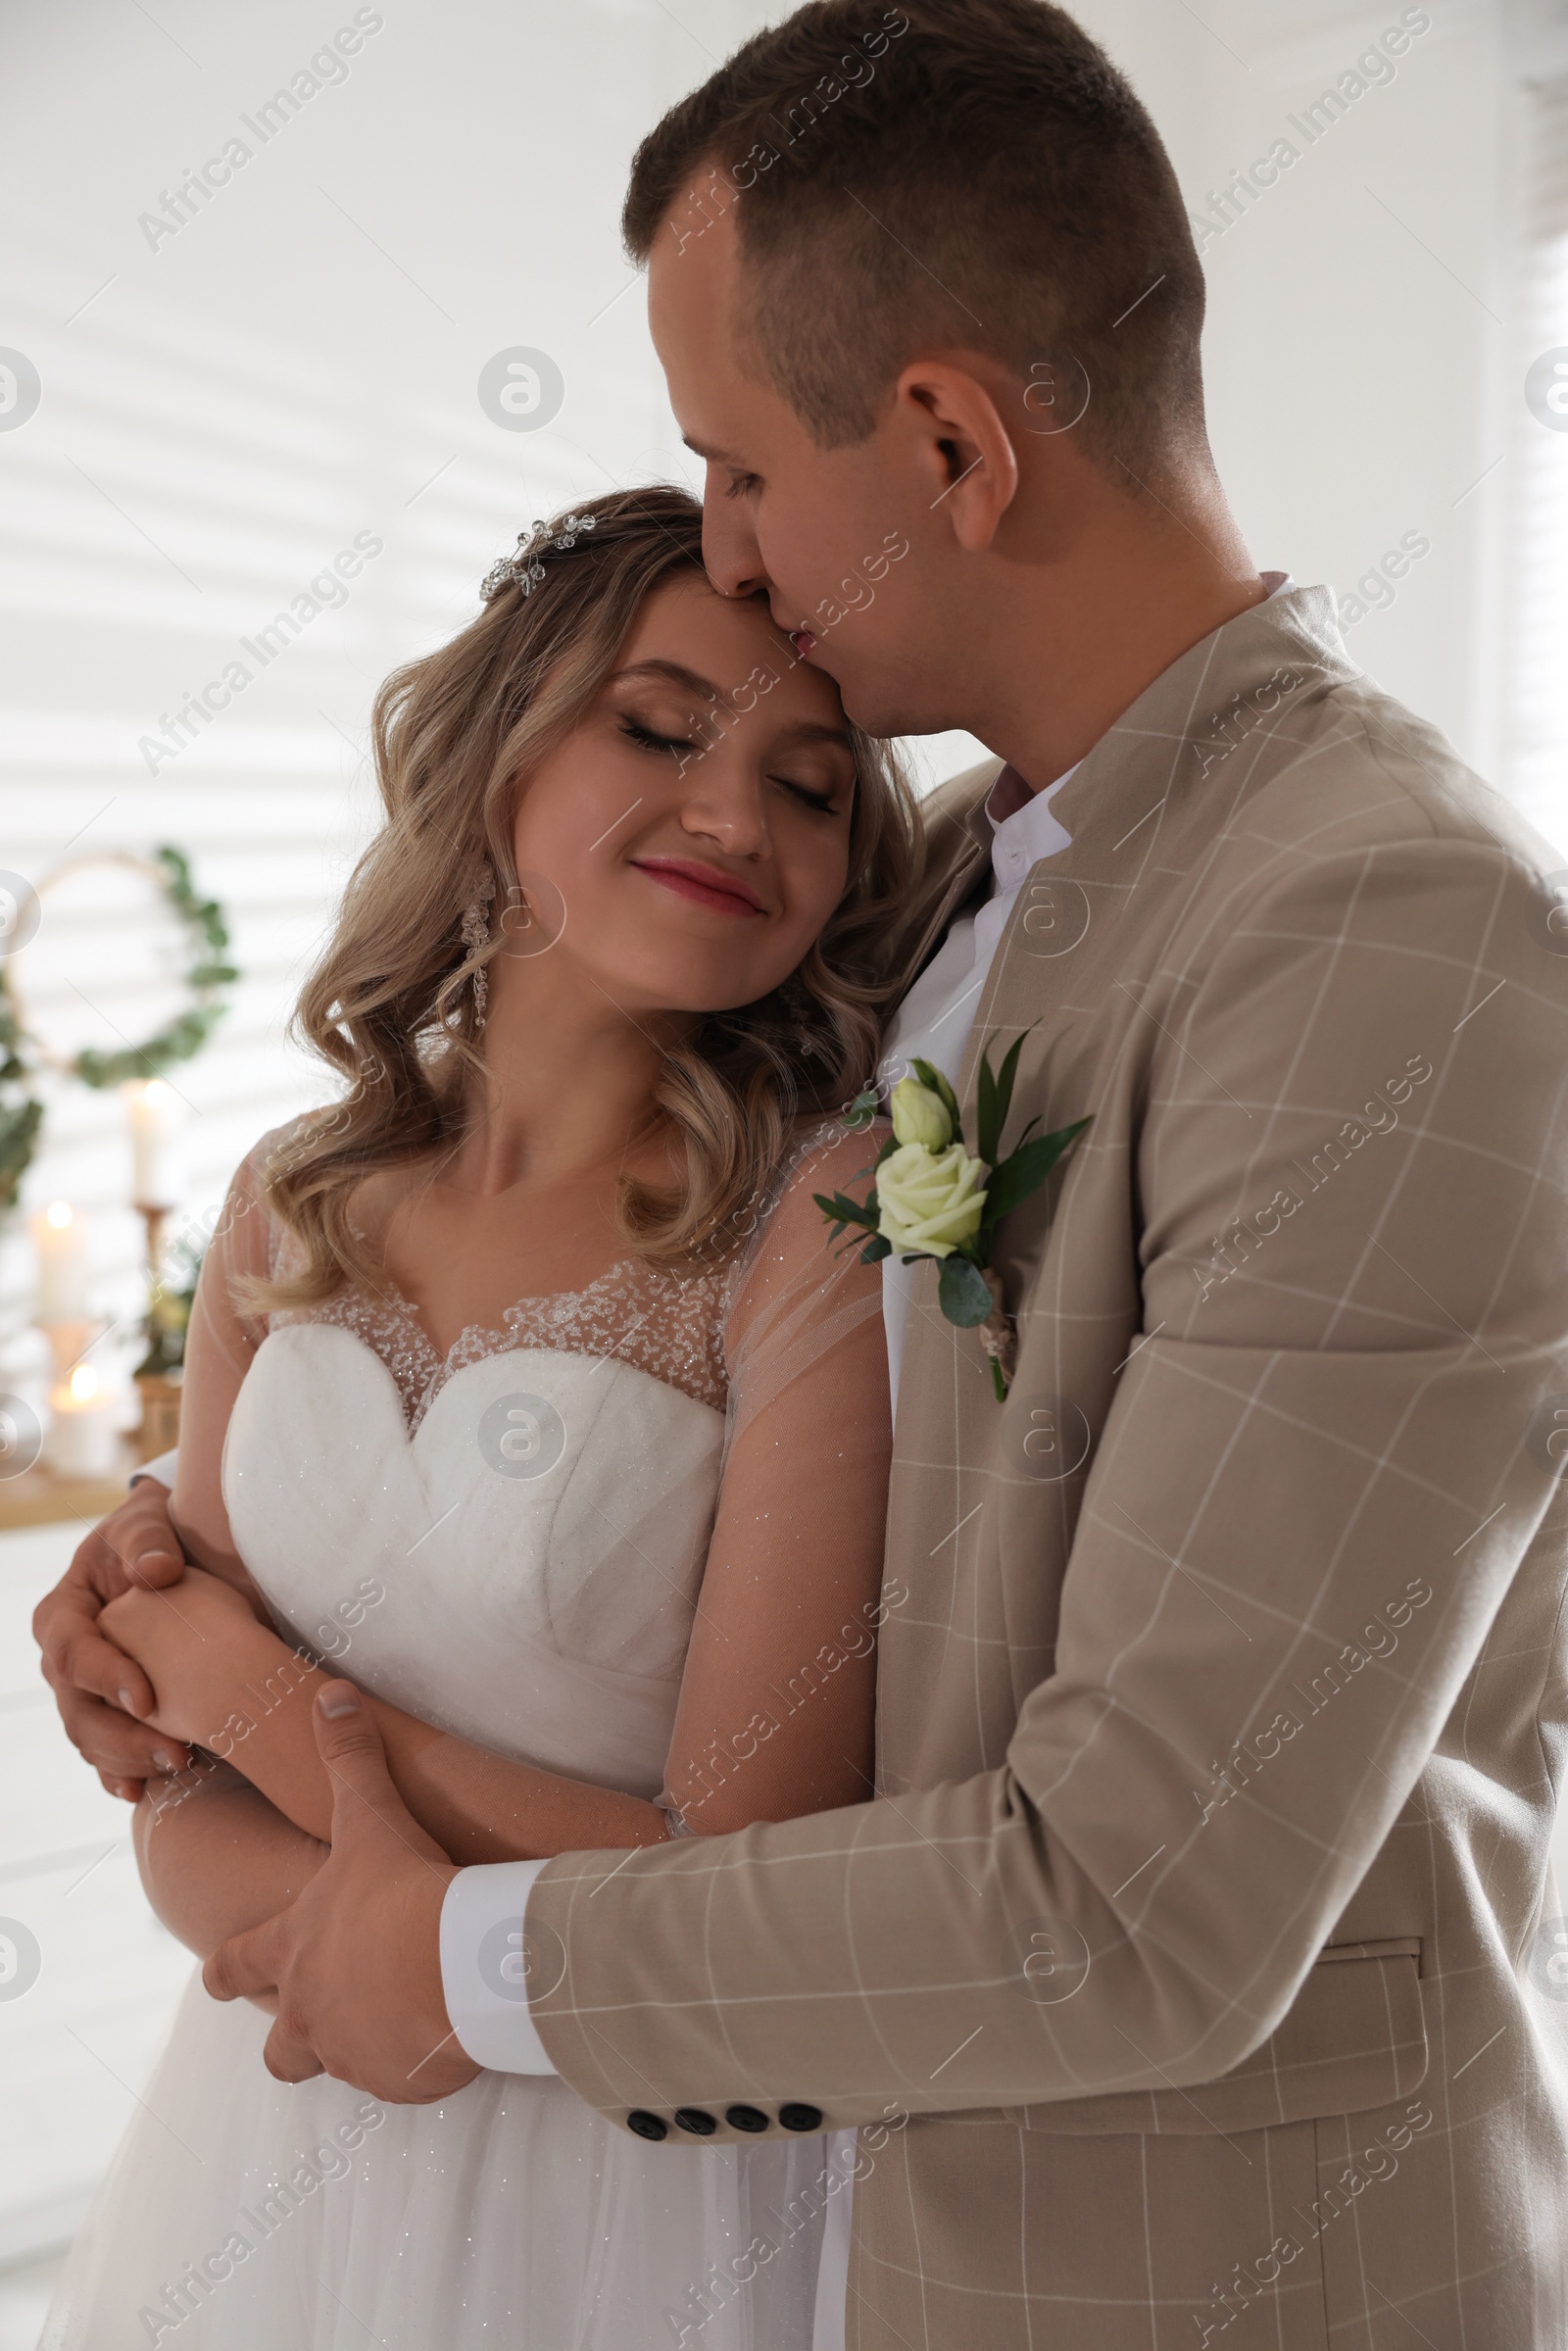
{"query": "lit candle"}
(157, 1114)
(83, 1440)
(61, 1236)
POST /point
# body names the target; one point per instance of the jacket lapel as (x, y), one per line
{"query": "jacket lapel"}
(1159, 785)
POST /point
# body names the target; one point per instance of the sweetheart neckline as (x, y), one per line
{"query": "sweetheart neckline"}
(574, 1354)
(388, 1324)
(398, 1299)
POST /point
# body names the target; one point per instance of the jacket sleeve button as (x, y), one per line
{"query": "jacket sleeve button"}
(645, 2124)
(693, 2118)
(746, 2118)
(798, 2117)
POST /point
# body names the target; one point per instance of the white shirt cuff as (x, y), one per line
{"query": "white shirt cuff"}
(489, 1964)
(162, 1471)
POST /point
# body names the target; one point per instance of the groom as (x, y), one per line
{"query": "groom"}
(1189, 1973)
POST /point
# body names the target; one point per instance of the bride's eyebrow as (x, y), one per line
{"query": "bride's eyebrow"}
(815, 730)
(673, 673)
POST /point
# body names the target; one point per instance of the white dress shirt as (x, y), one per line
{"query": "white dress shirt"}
(934, 1021)
(933, 1024)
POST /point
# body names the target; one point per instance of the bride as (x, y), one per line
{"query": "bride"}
(524, 1389)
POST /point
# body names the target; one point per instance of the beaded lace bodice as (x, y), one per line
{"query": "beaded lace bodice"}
(664, 1324)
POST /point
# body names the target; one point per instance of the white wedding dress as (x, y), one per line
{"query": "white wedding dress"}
(536, 1509)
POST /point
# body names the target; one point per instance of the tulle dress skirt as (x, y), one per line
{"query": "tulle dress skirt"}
(243, 2214)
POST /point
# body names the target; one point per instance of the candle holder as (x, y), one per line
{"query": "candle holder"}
(160, 1374)
(155, 1219)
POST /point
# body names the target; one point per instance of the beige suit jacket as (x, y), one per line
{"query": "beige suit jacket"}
(1194, 1975)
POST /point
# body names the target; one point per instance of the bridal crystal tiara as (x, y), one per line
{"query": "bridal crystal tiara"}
(525, 563)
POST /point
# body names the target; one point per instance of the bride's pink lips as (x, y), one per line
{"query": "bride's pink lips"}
(804, 642)
(704, 884)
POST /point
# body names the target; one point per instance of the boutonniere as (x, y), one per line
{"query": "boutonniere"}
(931, 1199)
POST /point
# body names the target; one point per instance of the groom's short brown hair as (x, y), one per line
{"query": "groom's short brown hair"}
(952, 172)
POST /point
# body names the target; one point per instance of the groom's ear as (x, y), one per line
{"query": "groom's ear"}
(961, 447)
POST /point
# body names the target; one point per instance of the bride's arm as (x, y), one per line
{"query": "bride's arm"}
(213, 1855)
(216, 1857)
(224, 1682)
(775, 1713)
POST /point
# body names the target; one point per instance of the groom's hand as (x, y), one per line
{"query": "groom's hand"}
(356, 1961)
(102, 1695)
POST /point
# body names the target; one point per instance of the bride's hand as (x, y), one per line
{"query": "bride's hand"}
(200, 1645)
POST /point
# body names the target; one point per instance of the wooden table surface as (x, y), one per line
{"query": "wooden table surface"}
(38, 1498)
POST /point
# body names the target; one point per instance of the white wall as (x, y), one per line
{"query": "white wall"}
(1360, 376)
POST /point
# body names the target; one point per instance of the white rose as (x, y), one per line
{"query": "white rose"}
(919, 1115)
(929, 1200)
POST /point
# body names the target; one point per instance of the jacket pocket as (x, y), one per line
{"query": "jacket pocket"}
(1354, 2038)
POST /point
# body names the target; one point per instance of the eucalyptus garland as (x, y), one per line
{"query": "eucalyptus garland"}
(208, 977)
(21, 1111)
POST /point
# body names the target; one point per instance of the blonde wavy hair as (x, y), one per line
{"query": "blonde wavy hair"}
(390, 1006)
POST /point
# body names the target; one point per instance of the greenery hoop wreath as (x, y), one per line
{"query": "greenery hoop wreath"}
(209, 976)
(21, 1112)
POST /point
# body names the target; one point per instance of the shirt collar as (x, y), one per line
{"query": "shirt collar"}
(1023, 829)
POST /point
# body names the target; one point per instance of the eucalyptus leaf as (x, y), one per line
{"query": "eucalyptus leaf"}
(962, 1291)
(988, 1125)
(876, 1250)
(996, 1099)
(1024, 1170)
(841, 1210)
(20, 1123)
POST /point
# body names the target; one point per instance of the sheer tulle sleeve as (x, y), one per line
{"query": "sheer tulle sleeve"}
(776, 1704)
(219, 1345)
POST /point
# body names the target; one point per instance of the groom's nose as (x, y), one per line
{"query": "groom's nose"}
(730, 552)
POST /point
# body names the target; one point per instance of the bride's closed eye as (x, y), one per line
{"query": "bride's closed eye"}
(647, 738)
(825, 800)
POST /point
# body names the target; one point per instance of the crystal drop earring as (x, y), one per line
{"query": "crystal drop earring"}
(476, 935)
